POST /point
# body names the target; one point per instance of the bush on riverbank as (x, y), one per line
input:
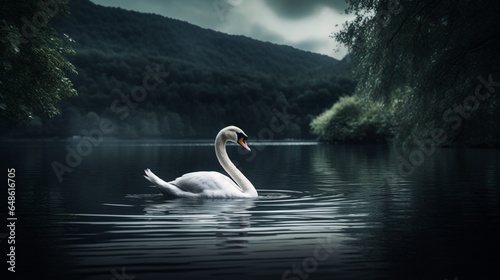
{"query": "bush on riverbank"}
(354, 119)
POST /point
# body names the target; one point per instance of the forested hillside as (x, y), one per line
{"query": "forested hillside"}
(204, 79)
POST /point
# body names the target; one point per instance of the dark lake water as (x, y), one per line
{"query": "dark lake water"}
(324, 212)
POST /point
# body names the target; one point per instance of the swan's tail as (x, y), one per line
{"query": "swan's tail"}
(150, 176)
(167, 189)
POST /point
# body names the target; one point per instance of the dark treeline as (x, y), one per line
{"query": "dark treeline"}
(213, 80)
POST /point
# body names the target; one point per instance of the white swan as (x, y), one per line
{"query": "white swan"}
(211, 184)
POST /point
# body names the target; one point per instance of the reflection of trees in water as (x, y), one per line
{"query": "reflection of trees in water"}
(362, 164)
(272, 166)
(448, 192)
(370, 173)
(227, 219)
(364, 172)
(39, 204)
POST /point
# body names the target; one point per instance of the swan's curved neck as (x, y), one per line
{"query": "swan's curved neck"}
(240, 179)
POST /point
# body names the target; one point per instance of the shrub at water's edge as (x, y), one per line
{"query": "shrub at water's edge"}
(354, 119)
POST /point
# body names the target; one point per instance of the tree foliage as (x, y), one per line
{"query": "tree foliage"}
(33, 63)
(433, 55)
(354, 119)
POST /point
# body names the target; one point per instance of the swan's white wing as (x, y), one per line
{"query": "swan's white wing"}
(204, 181)
(197, 184)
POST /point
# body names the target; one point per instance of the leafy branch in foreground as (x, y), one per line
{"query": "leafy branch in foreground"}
(33, 65)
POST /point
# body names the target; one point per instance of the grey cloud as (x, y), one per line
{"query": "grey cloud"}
(198, 12)
(295, 9)
(310, 45)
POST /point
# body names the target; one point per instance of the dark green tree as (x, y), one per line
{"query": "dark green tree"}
(33, 65)
(438, 58)
(354, 120)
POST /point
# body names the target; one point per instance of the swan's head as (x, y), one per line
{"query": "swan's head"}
(235, 134)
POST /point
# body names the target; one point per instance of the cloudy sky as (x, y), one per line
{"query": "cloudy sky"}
(304, 24)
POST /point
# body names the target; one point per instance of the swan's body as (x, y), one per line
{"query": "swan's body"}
(208, 183)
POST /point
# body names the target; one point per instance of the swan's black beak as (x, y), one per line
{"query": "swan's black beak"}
(242, 140)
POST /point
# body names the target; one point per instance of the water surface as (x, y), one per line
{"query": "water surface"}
(323, 212)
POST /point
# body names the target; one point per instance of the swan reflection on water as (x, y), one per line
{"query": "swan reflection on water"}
(228, 219)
